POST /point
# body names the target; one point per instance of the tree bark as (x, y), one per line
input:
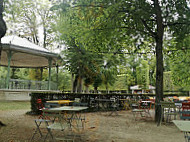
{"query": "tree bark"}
(3, 30)
(159, 61)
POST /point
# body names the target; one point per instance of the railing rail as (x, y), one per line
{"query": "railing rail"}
(27, 84)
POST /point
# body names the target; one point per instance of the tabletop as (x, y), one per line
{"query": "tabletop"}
(146, 101)
(182, 125)
(60, 101)
(103, 100)
(66, 108)
(124, 99)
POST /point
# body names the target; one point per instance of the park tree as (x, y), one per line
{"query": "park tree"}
(145, 20)
(32, 20)
(108, 24)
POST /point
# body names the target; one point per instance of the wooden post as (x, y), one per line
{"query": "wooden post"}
(49, 78)
(57, 76)
(9, 54)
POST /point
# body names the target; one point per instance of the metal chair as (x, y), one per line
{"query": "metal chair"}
(143, 110)
(185, 113)
(114, 106)
(168, 109)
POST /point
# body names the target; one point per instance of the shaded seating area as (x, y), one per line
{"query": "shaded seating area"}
(64, 123)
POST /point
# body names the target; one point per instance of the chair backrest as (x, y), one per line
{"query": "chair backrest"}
(39, 104)
(185, 114)
(186, 106)
(167, 104)
(77, 100)
(133, 104)
(145, 105)
(112, 99)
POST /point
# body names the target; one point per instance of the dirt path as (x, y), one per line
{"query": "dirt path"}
(99, 127)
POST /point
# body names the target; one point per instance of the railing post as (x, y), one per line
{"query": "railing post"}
(9, 54)
(57, 77)
(49, 78)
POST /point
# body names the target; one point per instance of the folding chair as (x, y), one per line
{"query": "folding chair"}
(143, 110)
(41, 119)
(185, 113)
(38, 123)
(168, 109)
(61, 123)
(114, 106)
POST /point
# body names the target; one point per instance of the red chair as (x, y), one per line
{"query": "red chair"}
(185, 108)
(40, 106)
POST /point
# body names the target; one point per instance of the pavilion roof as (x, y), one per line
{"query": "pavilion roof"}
(25, 53)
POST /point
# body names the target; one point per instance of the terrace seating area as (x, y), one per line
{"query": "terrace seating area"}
(141, 107)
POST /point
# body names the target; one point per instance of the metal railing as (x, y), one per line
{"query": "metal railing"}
(27, 84)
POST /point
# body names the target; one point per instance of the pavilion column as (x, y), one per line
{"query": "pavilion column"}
(49, 78)
(57, 77)
(9, 55)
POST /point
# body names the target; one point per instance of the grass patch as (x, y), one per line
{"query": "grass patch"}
(14, 105)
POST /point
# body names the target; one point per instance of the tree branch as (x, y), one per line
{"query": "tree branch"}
(89, 6)
(131, 28)
(177, 23)
(153, 34)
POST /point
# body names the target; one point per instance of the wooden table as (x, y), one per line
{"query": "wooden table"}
(183, 126)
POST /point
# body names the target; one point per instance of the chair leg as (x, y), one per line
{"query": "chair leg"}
(37, 129)
(49, 132)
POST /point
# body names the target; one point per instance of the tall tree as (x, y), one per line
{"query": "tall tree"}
(105, 25)
(144, 20)
(32, 20)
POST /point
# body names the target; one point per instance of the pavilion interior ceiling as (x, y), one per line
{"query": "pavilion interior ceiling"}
(25, 60)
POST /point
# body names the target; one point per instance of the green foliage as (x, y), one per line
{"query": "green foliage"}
(180, 69)
(3, 72)
(168, 82)
(38, 74)
(143, 74)
(64, 79)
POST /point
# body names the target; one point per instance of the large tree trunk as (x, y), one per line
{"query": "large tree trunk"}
(159, 61)
(79, 88)
(3, 30)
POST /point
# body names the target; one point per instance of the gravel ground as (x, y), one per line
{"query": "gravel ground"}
(99, 127)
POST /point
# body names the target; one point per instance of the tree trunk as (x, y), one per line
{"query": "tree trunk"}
(96, 89)
(3, 30)
(75, 84)
(79, 85)
(87, 89)
(159, 61)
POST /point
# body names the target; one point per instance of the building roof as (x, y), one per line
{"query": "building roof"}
(25, 53)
